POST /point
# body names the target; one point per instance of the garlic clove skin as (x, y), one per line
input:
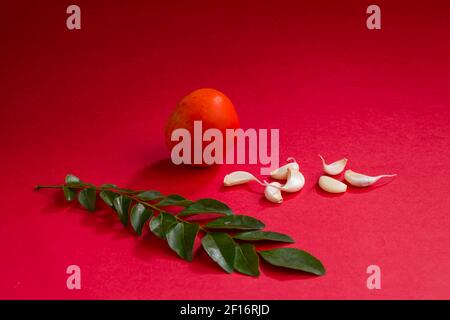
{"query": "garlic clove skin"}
(332, 185)
(362, 180)
(281, 172)
(295, 181)
(239, 177)
(273, 192)
(334, 168)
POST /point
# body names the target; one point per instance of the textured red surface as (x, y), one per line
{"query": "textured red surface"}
(93, 102)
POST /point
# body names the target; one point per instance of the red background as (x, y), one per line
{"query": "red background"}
(93, 103)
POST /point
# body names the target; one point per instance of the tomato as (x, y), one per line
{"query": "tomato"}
(210, 106)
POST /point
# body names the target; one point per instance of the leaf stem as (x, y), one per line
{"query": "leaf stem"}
(48, 187)
(119, 191)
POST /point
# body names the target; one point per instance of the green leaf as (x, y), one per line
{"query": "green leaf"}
(108, 197)
(246, 260)
(87, 198)
(235, 222)
(181, 237)
(174, 200)
(293, 259)
(207, 206)
(71, 179)
(221, 248)
(263, 235)
(110, 186)
(160, 225)
(150, 195)
(69, 194)
(139, 216)
(122, 206)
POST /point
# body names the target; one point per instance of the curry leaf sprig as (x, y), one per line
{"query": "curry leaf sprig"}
(229, 240)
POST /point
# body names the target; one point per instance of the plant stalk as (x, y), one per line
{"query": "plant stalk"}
(152, 206)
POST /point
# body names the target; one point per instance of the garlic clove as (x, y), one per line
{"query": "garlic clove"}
(332, 185)
(273, 192)
(334, 168)
(239, 177)
(361, 180)
(281, 172)
(295, 181)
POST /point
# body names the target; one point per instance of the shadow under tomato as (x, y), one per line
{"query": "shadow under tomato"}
(167, 177)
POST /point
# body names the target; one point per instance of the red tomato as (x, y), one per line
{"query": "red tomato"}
(210, 106)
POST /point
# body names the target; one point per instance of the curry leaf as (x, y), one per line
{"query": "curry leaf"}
(246, 260)
(149, 195)
(160, 225)
(71, 179)
(293, 259)
(139, 216)
(263, 236)
(174, 200)
(108, 197)
(181, 237)
(87, 198)
(235, 222)
(207, 206)
(69, 194)
(221, 248)
(110, 186)
(122, 206)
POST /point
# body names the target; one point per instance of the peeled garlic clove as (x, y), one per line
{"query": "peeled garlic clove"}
(295, 181)
(361, 180)
(239, 177)
(334, 168)
(273, 192)
(281, 172)
(332, 185)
